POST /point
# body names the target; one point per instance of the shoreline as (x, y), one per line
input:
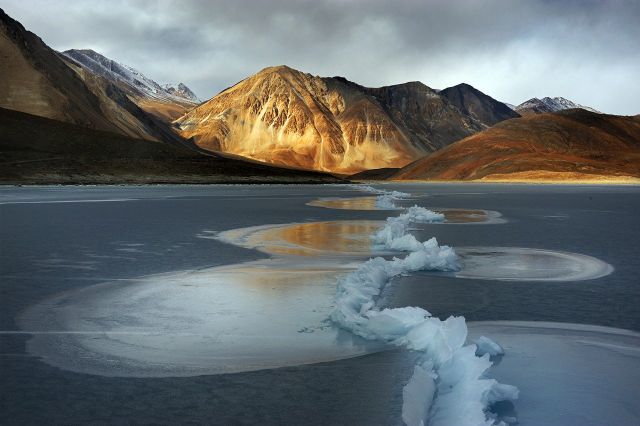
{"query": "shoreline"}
(320, 182)
(518, 182)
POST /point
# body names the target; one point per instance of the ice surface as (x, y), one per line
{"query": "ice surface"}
(527, 264)
(387, 202)
(394, 234)
(334, 238)
(484, 345)
(564, 380)
(448, 385)
(346, 203)
(385, 199)
(227, 319)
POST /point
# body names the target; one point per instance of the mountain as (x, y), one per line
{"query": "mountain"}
(35, 80)
(180, 90)
(539, 106)
(476, 104)
(167, 102)
(40, 81)
(40, 150)
(283, 116)
(571, 144)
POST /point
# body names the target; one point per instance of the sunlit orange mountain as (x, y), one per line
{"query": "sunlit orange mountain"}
(284, 116)
(569, 145)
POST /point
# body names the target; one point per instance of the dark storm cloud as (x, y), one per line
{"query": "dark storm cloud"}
(586, 51)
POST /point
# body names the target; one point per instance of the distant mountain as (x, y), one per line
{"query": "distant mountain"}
(283, 116)
(166, 102)
(572, 144)
(40, 81)
(476, 104)
(180, 90)
(131, 79)
(539, 106)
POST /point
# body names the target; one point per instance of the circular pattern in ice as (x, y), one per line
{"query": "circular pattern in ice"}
(452, 216)
(331, 238)
(528, 264)
(244, 317)
(353, 238)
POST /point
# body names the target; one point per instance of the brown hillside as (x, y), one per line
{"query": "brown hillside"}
(570, 143)
(40, 150)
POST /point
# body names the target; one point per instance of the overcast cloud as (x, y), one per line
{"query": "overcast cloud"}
(586, 51)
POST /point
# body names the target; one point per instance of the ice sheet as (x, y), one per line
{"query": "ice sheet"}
(568, 374)
(250, 316)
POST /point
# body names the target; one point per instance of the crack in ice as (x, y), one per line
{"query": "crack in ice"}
(448, 386)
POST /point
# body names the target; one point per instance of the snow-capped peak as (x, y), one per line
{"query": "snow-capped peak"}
(548, 104)
(180, 90)
(137, 82)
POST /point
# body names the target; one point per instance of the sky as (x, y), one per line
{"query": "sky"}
(585, 50)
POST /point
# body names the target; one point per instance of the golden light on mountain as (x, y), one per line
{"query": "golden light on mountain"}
(287, 117)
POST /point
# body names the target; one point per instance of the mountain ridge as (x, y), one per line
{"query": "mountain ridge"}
(286, 116)
(477, 104)
(40, 81)
(548, 104)
(165, 102)
(572, 142)
(137, 82)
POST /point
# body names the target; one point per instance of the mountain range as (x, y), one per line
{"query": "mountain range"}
(284, 116)
(291, 120)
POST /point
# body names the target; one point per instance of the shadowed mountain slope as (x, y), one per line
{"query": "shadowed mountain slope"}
(40, 150)
(473, 102)
(40, 81)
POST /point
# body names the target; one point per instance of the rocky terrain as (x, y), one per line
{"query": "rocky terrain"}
(166, 102)
(78, 116)
(569, 145)
(283, 116)
(40, 81)
(476, 104)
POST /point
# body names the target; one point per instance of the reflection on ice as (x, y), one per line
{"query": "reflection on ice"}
(353, 203)
(353, 238)
(568, 374)
(307, 239)
(251, 316)
(452, 216)
(470, 216)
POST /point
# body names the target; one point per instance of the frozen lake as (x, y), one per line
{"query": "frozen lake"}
(118, 300)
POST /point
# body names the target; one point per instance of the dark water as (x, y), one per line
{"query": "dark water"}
(52, 242)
